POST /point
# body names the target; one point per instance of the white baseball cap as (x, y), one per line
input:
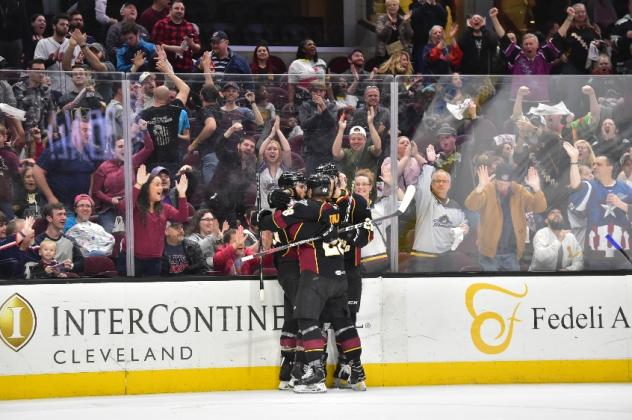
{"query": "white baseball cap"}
(357, 130)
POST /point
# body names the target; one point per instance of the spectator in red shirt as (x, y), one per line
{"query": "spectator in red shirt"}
(158, 10)
(178, 37)
(227, 259)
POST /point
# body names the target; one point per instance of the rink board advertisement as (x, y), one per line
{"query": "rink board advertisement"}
(118, 338)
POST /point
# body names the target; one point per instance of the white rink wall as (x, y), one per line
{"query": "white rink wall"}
(129, 338)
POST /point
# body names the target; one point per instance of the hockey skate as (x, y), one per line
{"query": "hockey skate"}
(341, 375)
(357, 376)
(285, 375)
(313, 380)
(298, 370)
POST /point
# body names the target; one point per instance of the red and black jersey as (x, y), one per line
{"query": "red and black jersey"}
(358, 211)
(306, 219)
(281, 237)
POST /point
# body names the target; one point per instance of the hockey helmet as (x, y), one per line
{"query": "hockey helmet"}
(328, 169)
(319, 184)
(289, 179)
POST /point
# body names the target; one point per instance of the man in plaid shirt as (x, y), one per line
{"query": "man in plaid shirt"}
(178, 37)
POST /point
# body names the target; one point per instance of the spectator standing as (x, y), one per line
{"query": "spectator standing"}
(554, 248)
(108, 181)
(359, 155)
(234, 177)
(381, 116)
(136, 54)
(607, 208)
(531, 59)
(262, 64)
(578, 39)
(621, 39)
(150, 220)
(394, 31)
(163, 120)
(114, 38)
(424, 15)
(275, 157)
(439, 58)
(318, 120)
(34, 97)
(33, 36)
(9, 174)
(178, 37)
(479, 47)
(51, 50)
(503, 205)
(361, 78)
(608, 141)
(441, 223)
(226, 61)
(158, 10)
(408, 169)
(65, 168)
(204, 142)
(13, 21)
(304, 71)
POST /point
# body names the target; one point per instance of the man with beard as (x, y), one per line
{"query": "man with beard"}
(361, 77)
(178, 37)
(555, 248)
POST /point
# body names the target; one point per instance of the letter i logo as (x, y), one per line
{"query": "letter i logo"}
(17, 322)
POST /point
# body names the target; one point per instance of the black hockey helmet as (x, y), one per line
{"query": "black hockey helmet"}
(329, 169)
(320, 184)
(289, 179)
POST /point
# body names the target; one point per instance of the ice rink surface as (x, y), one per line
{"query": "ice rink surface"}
(471, 402)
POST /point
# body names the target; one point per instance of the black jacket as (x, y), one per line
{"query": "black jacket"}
(477, 61)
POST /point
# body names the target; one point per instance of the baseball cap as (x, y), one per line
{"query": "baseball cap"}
(625, 158)
(504, 172)
(126, 4)
(97, 46)
(230, 85)
(144, 76)
(80, 197)
(218, 36)
(357, 130)
(446, 130)
(158, 170)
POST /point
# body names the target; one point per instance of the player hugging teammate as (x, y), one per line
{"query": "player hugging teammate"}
(320, 279)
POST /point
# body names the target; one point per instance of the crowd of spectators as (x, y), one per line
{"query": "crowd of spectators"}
(518, 143)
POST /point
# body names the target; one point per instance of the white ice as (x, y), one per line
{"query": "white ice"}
(471, 402)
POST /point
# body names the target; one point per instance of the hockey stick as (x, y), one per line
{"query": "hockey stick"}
(261, 291)
(618, 247)
(408, 197)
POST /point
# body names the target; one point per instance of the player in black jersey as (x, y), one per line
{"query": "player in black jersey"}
(291, 187)
(353, 209)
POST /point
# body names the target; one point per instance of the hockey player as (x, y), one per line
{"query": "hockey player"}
(291, 187)
(353, 209)
(322, 283)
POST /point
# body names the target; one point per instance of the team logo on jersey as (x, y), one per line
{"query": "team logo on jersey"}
(499, 343)
(443, 221)
(17, 322)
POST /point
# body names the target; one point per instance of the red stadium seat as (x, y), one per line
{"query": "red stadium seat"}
(338, 64)
(99, 267)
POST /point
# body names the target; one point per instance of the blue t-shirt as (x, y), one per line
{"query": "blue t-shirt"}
(68, 171)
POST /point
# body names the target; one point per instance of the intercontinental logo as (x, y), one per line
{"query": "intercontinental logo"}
(17, 322)
(504, 324)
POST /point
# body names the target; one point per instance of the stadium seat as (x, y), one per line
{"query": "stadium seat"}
(277, 96)
(338, 64)
(296, 144)
(278, 63)
(99, 267)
